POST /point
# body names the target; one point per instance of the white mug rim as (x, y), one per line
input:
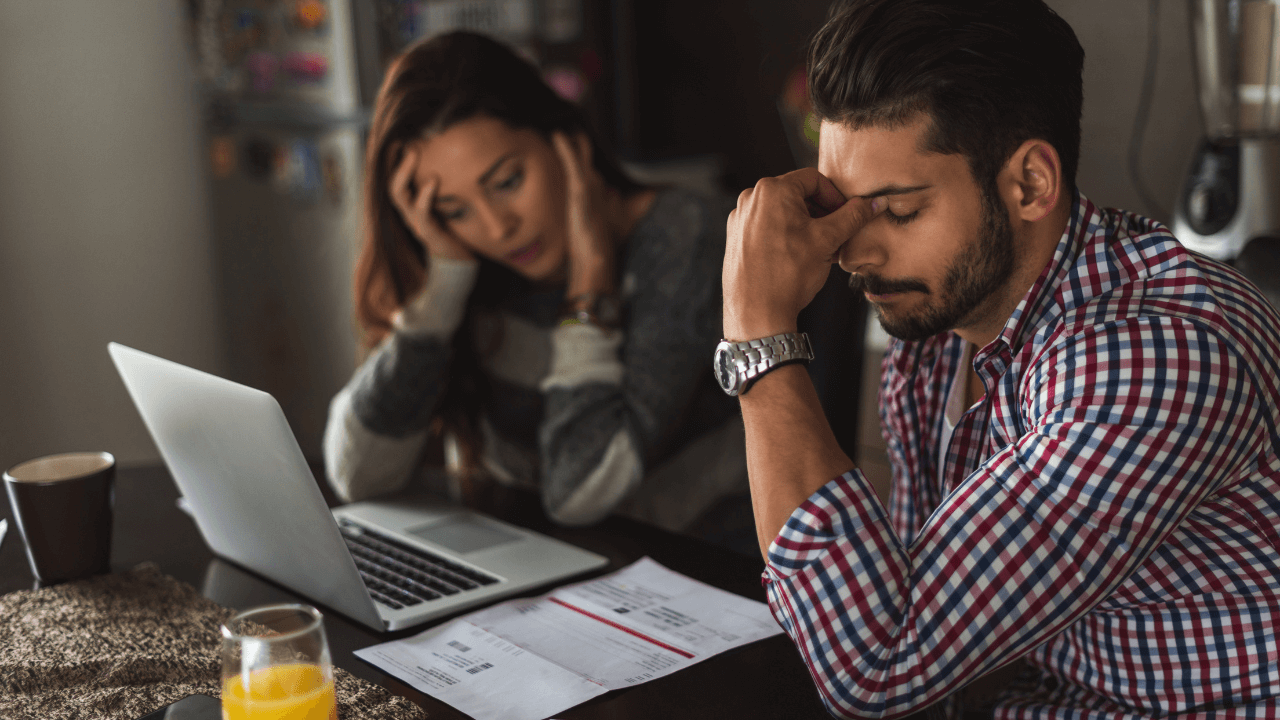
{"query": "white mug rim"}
(108, 460)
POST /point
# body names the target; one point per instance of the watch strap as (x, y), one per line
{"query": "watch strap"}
(752, 359)
(752, 380)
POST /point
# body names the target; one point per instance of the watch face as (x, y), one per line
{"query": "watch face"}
(726, 372)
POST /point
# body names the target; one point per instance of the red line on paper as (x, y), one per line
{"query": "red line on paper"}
(624, 628)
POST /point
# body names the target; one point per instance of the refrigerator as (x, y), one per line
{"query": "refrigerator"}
(287, 87)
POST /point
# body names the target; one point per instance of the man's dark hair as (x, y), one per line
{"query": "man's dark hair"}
(991, 74)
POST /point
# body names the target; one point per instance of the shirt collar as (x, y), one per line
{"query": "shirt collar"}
(1040, 306)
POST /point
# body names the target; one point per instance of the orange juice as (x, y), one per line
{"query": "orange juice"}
(281, 692)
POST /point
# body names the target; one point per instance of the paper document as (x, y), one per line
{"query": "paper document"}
(528, 659)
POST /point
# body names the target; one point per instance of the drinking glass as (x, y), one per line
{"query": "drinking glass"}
(275, 665)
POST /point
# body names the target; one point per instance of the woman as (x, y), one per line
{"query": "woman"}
(518, 293)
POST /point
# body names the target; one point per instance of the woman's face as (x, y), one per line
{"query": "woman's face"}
(502, 193)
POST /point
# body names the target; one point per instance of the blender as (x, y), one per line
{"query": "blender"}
(1229, 205)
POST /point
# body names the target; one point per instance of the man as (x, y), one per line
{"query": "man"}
(1081, 415)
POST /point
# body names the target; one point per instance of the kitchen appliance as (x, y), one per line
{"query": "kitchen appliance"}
(1231, 198)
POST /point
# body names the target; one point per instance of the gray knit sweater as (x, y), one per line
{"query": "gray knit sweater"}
(584, 414)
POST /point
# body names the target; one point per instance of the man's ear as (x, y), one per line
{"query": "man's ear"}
(1031, 181)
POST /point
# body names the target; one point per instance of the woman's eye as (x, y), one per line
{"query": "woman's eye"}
(900, 219)
(512, 181)
(452, 215)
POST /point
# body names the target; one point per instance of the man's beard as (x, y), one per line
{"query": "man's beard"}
(977, 272)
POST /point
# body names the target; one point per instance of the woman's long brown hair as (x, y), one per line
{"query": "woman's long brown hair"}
(436, 83)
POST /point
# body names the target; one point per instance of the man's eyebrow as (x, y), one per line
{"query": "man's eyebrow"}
(894, 190)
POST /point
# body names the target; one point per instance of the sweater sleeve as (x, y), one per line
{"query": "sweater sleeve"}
(378, 422)
(613, 398)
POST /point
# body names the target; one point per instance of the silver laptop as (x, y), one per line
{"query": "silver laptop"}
(388, 565)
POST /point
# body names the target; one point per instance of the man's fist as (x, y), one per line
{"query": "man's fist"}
(782, 239)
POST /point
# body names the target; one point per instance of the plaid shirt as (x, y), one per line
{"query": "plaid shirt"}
(1109, 512)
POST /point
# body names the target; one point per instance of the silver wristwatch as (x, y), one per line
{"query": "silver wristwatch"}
(739, 364)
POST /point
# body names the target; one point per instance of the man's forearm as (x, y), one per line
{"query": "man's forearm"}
(791, 451)
(777, 257)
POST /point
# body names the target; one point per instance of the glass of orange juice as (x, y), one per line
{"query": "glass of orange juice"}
(276, 666)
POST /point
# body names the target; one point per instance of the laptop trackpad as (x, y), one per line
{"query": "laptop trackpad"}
(463, 535)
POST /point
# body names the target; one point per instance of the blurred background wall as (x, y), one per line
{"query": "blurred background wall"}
(1114, 36)
(105, 226)
(711, 73)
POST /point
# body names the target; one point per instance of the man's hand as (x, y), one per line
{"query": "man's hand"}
(782, 238)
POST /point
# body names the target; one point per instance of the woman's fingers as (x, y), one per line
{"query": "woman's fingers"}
(584, 154)
(575, 188)
(439, 241)
(423, 202)
(590, 251)
(569, 159)
(401, 186)
(415, 206)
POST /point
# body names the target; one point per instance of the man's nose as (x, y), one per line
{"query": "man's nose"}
(862, 251)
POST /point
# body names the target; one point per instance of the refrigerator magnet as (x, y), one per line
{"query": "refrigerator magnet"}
(306, 66)
(309, 14)
(331, 169)
(222, 155)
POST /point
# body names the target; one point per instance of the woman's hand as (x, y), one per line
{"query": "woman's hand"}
(589, 241)
(415, 208)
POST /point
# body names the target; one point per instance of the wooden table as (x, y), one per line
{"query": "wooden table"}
(766, 679)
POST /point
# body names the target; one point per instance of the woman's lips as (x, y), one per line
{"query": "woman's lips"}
(526, 254)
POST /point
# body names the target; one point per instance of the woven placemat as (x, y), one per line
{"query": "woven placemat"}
(119, 646)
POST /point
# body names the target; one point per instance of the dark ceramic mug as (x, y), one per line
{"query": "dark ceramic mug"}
(62, 504)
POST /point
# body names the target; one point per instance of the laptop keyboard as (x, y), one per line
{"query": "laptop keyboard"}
(399, 576)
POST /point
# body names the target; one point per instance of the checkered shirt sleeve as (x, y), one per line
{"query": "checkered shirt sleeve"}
(1110, 512)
